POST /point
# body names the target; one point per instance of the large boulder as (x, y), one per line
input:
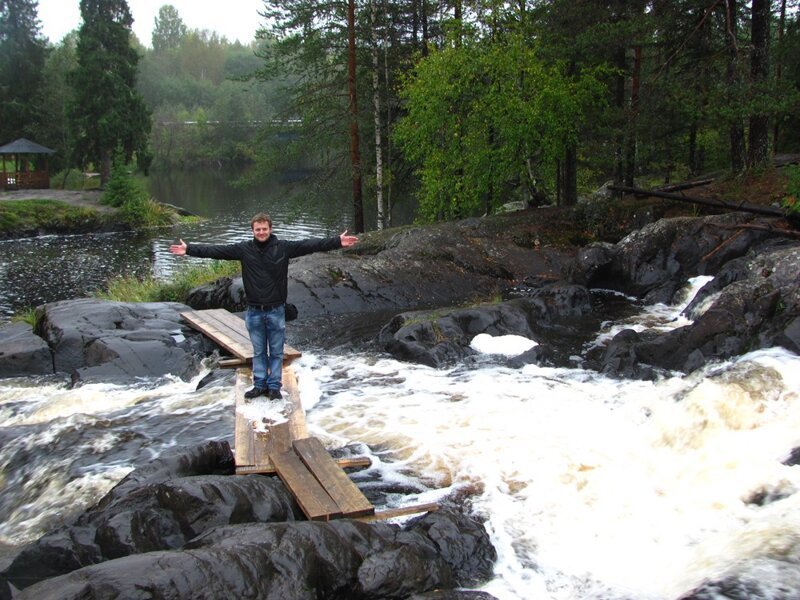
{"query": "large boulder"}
(410, 268)
(184, 527)
(654, 262)
(22, 352)
(437, 339)
(753, 302)
(95, 339)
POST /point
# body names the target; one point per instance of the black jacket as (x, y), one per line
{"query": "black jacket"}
(265, 267)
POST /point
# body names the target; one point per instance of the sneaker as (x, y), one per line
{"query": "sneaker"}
(255, 392)
(275, 394)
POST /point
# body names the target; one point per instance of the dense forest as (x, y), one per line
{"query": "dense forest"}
(468, 105)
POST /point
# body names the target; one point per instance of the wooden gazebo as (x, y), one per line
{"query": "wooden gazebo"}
(29, 172)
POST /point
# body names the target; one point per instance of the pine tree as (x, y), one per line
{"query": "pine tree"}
(22, 55)
(106, 111)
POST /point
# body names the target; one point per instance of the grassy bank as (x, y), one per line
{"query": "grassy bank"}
(148, 289)
(49, 215)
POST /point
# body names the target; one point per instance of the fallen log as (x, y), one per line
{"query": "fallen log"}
(771, 211)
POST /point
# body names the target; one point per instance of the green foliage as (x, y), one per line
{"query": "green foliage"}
(149, 289)
(22, 57)
(105, 110)
(169, 29)
(49, 215)
(136, 209)
(791, 202)
(485, 115)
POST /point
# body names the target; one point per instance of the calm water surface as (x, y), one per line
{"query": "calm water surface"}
(34, 271)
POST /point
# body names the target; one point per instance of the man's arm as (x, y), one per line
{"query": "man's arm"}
(179, 249)
(348, 240)
(218, 251)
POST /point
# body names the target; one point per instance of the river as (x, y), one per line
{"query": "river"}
(592, 488)
(49, 268)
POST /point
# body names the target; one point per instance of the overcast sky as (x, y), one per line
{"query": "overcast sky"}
(234, 19)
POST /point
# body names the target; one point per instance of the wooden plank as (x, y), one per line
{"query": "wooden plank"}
(337, 484)
(230, 332)
(243, 429)
(316, 504)
(344, 463)
(400, 512)
(294, 410)
(222, 329)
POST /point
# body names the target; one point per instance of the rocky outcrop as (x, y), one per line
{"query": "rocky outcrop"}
(436, 339)
(182, 528)
(22, 352)
(752, 302)
(410, 268)
(98, 340)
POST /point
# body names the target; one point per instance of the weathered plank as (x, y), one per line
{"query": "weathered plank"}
(403, 511)
(344, 463)
(243, 428)
(258, 446)
(225, 328)
(315, 502)
(337, 484)
(230, 332)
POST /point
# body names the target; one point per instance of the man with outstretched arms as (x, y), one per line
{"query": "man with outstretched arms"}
(265, 275)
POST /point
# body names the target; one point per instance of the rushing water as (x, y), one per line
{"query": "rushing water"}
(592, 488)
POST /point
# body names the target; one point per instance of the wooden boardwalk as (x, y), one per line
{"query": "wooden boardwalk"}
(279, 442)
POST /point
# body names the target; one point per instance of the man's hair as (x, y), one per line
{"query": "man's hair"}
(260, 217)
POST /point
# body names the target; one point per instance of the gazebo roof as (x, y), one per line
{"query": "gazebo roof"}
(23, 146)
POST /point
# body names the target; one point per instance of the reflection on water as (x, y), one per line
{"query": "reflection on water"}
(38, 270)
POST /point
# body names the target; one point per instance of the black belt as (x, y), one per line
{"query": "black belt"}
(264, 306)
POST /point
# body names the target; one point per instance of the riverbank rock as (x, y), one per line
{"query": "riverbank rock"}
(99, 340)
(752, 302)
(22, 352)
(410, 268)
(429, 337)
(183, 527)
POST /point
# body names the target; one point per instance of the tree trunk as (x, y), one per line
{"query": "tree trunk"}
(736, 128)
(778, 70)
(758, 142)
(355, 154)
(376, 99)
(630, 140)
(619, 102)
(570, 175)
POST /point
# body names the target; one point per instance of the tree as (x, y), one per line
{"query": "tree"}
(484, 117)
(168, 29)
(758, 133)
(22, 57)
(106, 112)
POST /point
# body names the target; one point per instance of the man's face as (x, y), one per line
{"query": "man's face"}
(261, 230)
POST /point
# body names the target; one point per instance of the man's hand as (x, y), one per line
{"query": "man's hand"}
(179, 249)
(348, 240)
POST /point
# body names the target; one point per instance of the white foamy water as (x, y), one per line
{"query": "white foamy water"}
(592, 487)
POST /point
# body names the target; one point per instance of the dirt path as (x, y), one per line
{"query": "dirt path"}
(84, 198)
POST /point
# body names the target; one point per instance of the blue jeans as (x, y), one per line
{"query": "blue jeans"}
(267, 329)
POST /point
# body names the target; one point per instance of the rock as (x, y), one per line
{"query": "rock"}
(409, 268)
(184, 527)
(95, 339)
(22, 352)
(753, 303)
(654, 262)
(277, 561)
(760, 578)
(435, 339)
